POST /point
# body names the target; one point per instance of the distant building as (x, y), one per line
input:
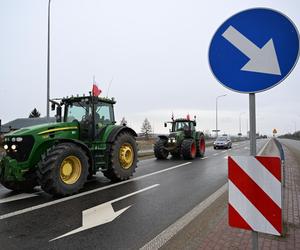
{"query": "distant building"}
(24, 122)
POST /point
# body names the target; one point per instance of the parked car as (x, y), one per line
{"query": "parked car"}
(222, 142)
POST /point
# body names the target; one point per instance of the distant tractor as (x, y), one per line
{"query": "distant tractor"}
(183, 140)
(61, 156)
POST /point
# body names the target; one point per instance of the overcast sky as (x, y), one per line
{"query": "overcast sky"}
(155, 51)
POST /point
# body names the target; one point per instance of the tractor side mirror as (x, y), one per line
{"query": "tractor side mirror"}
(165, 124)
(58, 114)
(52, 106)
(194, 123)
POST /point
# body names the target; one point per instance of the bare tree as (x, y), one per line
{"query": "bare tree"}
(123, 122)
(146, 128)
(34, 113)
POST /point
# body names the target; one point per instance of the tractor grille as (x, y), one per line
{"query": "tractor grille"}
(23, 148)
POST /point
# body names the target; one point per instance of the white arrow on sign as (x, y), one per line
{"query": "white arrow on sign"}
(102, 214)
(262, 60)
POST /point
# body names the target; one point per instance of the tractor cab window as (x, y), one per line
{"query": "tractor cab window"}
(77, 111)
(104, 114)
(180, 126)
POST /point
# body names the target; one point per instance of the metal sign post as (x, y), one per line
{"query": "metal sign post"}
(252, 135)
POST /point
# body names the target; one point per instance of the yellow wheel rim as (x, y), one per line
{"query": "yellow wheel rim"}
(126, 155)
(70, 170)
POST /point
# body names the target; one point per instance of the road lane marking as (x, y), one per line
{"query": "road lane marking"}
(50, 203)
(215, 154)
(204, 158)
(102, 214)
(224, 151)
(18, 197)
(169, 232)
(264, 147)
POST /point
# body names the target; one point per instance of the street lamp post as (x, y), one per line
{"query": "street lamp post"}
(217, 113)
(240, 123)
(48, 64)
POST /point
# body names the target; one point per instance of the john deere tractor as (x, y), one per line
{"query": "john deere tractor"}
(183, 140)
(61, 156)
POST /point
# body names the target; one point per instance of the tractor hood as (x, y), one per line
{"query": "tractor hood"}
(44, 129)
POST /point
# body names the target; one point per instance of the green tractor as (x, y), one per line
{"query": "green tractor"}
(183, 140)
(61, 156)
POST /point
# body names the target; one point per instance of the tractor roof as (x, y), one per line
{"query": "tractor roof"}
(73, 99)
(182, 120)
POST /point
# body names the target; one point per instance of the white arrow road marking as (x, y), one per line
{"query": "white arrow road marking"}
(102, 214)
(262, 60)
(18, 197)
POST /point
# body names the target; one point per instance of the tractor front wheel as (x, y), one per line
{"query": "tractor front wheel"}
(63, 170)
(123, 158)
(159, 150)
(188, 149)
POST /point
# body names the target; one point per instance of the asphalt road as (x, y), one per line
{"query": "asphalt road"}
(136, 210)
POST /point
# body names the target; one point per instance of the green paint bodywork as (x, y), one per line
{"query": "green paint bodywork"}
(47, 135)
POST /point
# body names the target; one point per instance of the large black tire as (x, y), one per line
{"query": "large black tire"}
(63, 170)
(200, 146)
(175, 154)
(21, 186)
(123, 158)
(159, 149)
(188, 149)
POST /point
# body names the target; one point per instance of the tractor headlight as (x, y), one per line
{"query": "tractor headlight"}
(5, 146)
(19, 139)
(13, 139)
(13, 147)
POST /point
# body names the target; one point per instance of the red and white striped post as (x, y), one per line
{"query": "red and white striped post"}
(255, 201)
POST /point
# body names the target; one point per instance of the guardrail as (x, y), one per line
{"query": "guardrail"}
(282, 157)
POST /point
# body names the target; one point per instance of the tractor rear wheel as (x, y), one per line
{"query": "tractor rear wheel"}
(200, 146)
(63, 170)
(188, 149)
(159, 150)
(123, 158)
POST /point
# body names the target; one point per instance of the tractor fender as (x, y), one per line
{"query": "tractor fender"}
(117, 130)
(163, 137)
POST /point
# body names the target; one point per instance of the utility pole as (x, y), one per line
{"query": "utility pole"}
(48, 65)
(216, 130)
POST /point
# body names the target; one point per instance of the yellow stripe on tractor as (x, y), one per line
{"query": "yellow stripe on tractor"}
(56, 129)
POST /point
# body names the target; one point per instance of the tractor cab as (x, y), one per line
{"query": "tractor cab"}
(182, 125)
(91, 113)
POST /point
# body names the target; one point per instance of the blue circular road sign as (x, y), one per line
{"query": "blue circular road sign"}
(254, 50)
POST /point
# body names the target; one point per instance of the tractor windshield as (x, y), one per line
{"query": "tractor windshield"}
(104, 114)
(78, 111)
(180, 126)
